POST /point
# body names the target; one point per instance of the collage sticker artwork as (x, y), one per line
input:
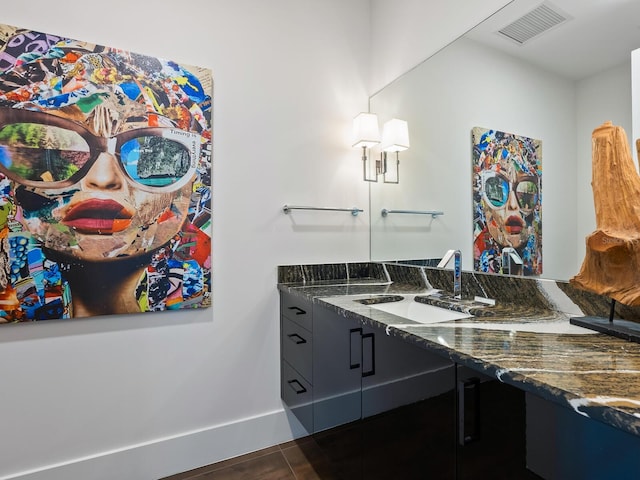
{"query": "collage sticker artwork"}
(105, 180)
(507, 202)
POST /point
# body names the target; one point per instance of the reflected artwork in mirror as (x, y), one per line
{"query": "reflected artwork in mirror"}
(507, 206)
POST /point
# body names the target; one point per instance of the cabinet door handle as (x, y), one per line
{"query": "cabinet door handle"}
(298, 310)
(355, 353)
(297, 339)
(468, 406)
(372, 370)
(295, 383)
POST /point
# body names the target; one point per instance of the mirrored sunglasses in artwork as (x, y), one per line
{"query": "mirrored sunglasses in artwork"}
(46, 151)
(496, 188)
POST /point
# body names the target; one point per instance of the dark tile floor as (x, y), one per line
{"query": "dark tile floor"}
(415, 442)
(356, 451)
(300, 459)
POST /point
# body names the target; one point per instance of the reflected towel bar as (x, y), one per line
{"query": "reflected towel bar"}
(354, 210)
(433, 213)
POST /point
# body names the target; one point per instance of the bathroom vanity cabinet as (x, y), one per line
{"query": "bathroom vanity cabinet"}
(551, 398)
(414, 409)
(411, 408)
(335, 370)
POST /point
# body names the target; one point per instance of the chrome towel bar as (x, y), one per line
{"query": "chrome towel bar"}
(354, 210)
(433, 213)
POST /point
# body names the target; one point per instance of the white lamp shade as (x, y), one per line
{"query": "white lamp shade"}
(395, 136)
(366, 132)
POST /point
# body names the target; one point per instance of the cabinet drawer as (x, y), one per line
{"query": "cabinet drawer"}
(296, 309)
(297, 347)
(297, 394)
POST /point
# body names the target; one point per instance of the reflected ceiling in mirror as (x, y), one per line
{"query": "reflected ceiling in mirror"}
(596, 35)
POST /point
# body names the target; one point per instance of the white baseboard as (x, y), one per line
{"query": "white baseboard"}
(170, 455)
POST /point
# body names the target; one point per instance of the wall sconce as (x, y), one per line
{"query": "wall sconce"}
(395, 138)
(366, 134)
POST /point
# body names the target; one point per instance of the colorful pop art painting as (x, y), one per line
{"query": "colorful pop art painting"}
(105, 180)
(507, 202)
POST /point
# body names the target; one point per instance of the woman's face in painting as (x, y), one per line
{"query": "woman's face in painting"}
(508, 197)
(98, 189)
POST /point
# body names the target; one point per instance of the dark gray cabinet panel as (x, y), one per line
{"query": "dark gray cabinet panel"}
(490, 429)
(413, 442)
(565, 445)
(397, 373)
(297, 347)
(297, 309)
(337, 359)
(297, 393)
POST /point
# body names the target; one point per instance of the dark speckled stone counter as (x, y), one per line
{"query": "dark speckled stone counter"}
(527, 343)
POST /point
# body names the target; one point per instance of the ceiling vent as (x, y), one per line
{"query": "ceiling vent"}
(539, 20)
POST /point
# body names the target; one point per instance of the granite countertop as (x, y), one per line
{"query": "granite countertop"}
(528, 342)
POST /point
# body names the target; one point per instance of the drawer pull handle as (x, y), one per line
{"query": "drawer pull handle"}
(298, 341)
(299, 390)
(372, 356)
(468, 411)
(298, 310)
(355, 348)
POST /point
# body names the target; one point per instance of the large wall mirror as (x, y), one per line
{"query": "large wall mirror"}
(556, 87)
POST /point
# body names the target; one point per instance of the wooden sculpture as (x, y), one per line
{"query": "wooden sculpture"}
(611, 265)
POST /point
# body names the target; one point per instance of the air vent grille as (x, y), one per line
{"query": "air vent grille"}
(532, 24)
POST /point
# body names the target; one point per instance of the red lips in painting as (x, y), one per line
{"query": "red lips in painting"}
(98, 216)
(514, 225)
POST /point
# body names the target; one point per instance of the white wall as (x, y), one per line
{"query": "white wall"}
(146, 396)
(405, 32)
(602, 97)
(464, 86)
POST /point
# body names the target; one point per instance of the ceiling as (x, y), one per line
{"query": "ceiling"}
(598, 35)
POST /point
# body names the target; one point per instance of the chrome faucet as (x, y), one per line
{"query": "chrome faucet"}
(510, 254)
(457, 270)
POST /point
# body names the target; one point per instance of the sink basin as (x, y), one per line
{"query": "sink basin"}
(419, 312)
